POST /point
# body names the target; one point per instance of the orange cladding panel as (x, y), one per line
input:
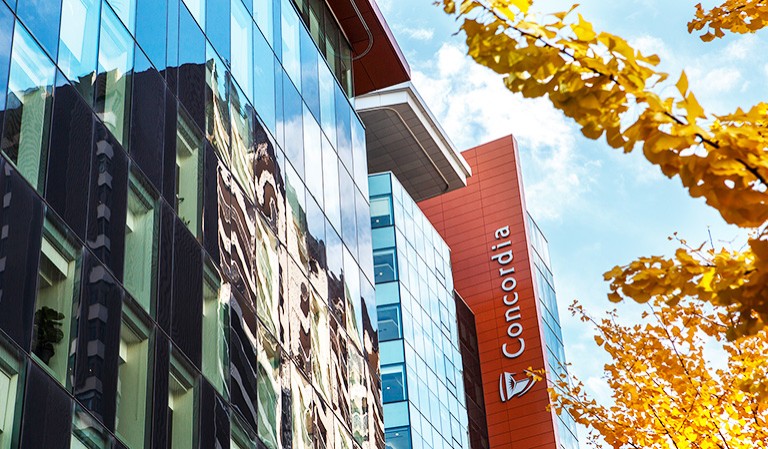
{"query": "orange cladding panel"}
(485, 226)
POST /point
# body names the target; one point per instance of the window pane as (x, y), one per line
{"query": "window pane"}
(28, 108)
(263, 14)
(313, 156)
(291, 49)
(189, 173)
(389, 322)
(6, 36)
(310, 84)
(268, 393)
(126, 11)
(242, 48)
(216, 108)
(320, 345)
(398, 438)
(182, 386)
(327, 102)
(78, 43)
(197, 8)
(87, 432)
(393, 383)
(215, 331)
(241, 437)
(42, 19)
(130, 421)
(264, 81)
(384, 265)
(10, 369)
(243, 155)
(268, 276)
(293, 126)
(113, 85)
(57, 289)
(331, 185)
(140, 243)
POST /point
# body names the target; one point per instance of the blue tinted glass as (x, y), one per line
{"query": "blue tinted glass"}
(389, 322)
(381, 212)
(393, 383)
(384, 265)
(197, 8)
(242, 48)
(42, 21)
(78, 46)
(6, 36)
(348, 212)
(217, 21)
(379, 184)
(327, 101)
(313, 159)
(263, 14)
(264, 80)
(126, 11)
(292, 123)
(151, 29)
(291, 55)
(115, 64)
(343, 129)
(310, 84)
(398, 438)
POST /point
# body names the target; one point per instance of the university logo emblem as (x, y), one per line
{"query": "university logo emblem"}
(510, 388)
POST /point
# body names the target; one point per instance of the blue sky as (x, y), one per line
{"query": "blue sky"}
(597, 206)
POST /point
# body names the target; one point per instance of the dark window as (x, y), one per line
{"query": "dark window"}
(390, 327)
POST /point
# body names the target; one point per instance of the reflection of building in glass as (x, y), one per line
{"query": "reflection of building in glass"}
(421, 369)
(185, 244)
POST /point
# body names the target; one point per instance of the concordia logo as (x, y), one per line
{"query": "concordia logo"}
(510, 388)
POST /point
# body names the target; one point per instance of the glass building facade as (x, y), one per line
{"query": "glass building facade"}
(421, 366)
(550, 324)
(185, 243)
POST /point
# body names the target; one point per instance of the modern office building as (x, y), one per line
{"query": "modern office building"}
(185, 246)
(501, 269)
(421, 368)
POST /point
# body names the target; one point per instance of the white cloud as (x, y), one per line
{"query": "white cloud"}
(741, 48)
(652, 45)
(419, 33)
(715, 81)
(474, 107)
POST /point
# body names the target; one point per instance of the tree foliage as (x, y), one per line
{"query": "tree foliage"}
(665, 393)
(611, 89)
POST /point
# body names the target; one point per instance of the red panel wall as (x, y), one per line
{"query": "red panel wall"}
(488, 213)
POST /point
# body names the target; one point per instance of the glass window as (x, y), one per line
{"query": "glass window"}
(313, 156)
(182, 419)
(28, 108)
(78, 44)
(383, 237)
(241, 436)
(263, 14)
(189, 173)
(132, 371)
(57, 290)
(197, 8)
(398, 438)
(291, 42)
(268, 276)
(6, 39)
(268, 389)
(126, 11)
(215, 364)
(359, 155)
(301, 405)
(348, 211)
(42, 19)
(379, 185)
(343, 129)
(264, 62)
(152, 29)
(243, 156)
(87, 432)
(331, 185)
(310, 84)
(385, 265)
(242, 48)
(389, 322)
(393, 386)
(293, 126)
(320, 345)
(140, 242)
(327, 101)
(113, 85)
(216, 107)
(10, 370)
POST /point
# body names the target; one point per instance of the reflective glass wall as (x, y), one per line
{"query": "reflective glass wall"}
(421, 365)
(550, 319)
(185, 255)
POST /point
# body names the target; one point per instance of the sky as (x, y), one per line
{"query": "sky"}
(597, 206)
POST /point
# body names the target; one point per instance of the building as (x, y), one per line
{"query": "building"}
(421, 368)
(185, 246)
(501, 270)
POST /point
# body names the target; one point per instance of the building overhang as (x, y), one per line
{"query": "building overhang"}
(384, 64)
(402, 136)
